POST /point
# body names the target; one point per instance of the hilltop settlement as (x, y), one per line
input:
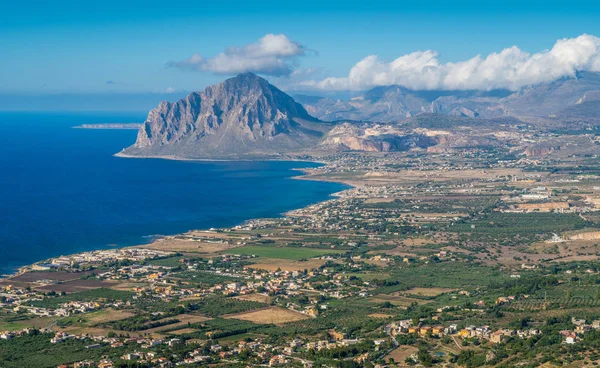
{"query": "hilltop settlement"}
(461, 242)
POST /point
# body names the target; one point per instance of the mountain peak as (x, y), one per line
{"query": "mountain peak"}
(247, 75)
(248, 78)
(240, 116)
(243, 85)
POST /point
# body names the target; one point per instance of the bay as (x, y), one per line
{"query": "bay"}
(62, 191)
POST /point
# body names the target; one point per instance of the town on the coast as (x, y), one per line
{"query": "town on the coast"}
(461, 260)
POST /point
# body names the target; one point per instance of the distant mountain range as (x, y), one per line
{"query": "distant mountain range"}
(246, 117)
(396, 103)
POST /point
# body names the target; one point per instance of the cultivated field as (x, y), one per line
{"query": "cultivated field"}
(39, 322)
(57, 276)
(183, 331)
(106, 315)
(76, 285)
(184, 319)
(400, 301)
(291, 253)
(254, 298)
(402, 352)
(127, 286)
(287, 264)
(429, 292)
(380, 315)
(273, 315)
(188, 245)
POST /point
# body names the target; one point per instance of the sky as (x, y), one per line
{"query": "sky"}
(162, 47)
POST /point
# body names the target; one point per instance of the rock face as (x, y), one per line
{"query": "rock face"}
(536, 151)
(373, 138)
(243, 116)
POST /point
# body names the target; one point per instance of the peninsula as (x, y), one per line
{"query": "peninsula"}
(134, 126)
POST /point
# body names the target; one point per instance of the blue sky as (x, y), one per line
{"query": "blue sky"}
(77, 47)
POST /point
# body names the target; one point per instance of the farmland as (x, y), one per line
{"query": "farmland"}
(272, 315)
(437, 269)
(291, 253)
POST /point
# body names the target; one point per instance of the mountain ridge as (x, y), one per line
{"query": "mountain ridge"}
(244, 115)
(395, 103)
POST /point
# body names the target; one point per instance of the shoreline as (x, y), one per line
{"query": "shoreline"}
(305, 175)
(121, 154)
(113, 126)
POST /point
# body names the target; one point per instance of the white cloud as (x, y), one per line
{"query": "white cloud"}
(511, 68)
(272, 55)
(170, 90)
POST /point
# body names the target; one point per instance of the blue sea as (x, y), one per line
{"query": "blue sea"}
(62, 191)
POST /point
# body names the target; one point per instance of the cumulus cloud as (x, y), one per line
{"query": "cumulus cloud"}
(273, 54)
(511, 68)
(170, 90)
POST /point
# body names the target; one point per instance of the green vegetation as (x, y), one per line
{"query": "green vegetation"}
(36, 351)
(103, 294)
(512, 224)
(217, 306)
(456, 275)
(293, 253)
(204, 278)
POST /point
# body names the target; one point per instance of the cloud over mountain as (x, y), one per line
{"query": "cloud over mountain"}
(273, 54)
(510, 68)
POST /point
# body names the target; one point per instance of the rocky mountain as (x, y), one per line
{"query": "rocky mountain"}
(588, 110)
(242, 116)
(546, 99)
(381, 104)
(396, 103)
(246, 117)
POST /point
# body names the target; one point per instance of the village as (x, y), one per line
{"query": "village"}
(354, 279)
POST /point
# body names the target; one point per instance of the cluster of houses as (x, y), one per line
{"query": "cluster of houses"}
(65, 309)
(98, 341)
(7, 335)
(267, 354)
(161, 362)
(498, 336)
(581, 327)
(481, 332)
(96, 258)
(407, 327)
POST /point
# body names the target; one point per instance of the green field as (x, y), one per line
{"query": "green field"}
(84, 296)
(13, 326)
(167, 262)
(292, 253)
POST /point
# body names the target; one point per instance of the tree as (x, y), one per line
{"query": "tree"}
(424, 358)
(416, 320)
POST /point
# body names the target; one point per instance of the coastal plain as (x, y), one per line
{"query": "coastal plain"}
(459, 237)
(455, 259)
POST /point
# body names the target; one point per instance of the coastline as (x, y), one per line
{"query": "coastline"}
(121, 154)
(305, 175)
(115, 126)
